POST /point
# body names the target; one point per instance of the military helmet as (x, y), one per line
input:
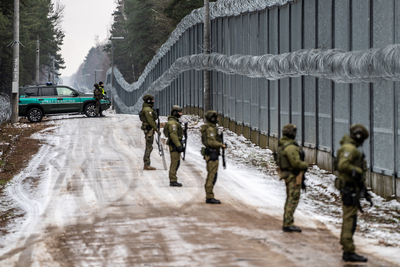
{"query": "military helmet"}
(358, 132)
(289, 130)
(175, 110)
(148, 99)
(212, 116)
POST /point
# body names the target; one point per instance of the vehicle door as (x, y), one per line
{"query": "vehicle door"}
(47, 99)
(27, 96)
(68, 100)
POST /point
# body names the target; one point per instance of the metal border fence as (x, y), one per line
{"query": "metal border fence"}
(5, 108)
(322, 109)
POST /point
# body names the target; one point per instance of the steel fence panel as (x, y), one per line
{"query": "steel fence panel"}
(254, 26)
(239, 79)
(220, 75)
(296, 39)
(309, 82)
(284, 47)
(214, 74)
(188, 73)
(232, 78)
(247, 81)
(227, 78)
(341, 92)
(324, 85)
(397, 154)
(360, 97)
(201, 73)
(397, 95)
(383, 92)
(263, 83)
(341, 116)
(196, 73)
(273, 16)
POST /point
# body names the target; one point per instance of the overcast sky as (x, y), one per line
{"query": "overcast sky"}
(83, 20)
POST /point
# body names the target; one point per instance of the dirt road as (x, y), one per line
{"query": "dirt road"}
(89, 203)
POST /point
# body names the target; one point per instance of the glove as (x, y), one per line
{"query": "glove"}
(179, 149)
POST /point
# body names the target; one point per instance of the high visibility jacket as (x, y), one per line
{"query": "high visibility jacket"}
(102, 89)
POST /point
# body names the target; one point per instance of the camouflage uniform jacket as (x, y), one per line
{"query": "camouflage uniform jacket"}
(148, 116)
(210, 136)
(97, 94)
(175, 131)
(291, 161)
(349, 158)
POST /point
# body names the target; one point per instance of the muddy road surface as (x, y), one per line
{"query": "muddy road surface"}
(88, 202)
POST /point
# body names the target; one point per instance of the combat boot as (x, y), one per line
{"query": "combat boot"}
(102, 115)
(149, 168)
(291, 228)
(212, 201)
(353, 257)
(175, 184)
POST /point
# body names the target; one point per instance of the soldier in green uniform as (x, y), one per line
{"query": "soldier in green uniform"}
(173, 131)
(290, 160)
(148, 116)
(98, 96)
(212, 142)
(352, 167)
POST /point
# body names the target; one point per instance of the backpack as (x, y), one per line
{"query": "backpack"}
(280, 160)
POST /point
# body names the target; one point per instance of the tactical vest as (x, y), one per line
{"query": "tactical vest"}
(282, 161)
(204, 137)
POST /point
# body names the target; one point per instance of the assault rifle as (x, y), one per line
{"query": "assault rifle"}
(158, 141)
(184, 142)
(363, 190)
(223, 151)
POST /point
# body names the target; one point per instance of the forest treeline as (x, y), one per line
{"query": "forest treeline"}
(145, 26)
(38, 19)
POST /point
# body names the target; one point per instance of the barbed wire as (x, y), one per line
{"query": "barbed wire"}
(372, 65)
(5, 108)
(221, 8)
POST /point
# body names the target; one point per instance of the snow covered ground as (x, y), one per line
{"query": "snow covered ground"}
(378, 227)
(90, 191)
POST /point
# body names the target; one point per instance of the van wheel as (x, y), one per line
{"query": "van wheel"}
(35, 114)
(90, 110)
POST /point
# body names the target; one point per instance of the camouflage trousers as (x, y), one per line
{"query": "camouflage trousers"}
(149, 146)
(212, 173)
(348, 228)
(292, 200)
(175, 162)
(98, 107)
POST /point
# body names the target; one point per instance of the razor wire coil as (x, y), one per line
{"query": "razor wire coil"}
(372, 65)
